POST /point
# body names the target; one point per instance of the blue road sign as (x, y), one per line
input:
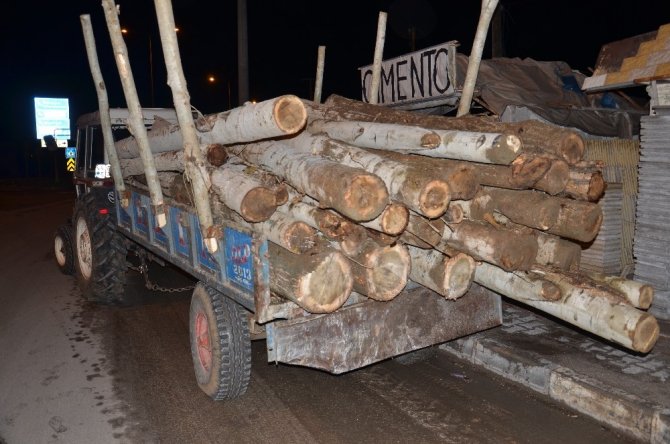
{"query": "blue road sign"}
(70, 152)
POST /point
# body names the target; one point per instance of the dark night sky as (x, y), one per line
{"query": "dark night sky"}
(43, 52)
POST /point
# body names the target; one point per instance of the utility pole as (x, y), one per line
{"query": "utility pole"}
(242, 53)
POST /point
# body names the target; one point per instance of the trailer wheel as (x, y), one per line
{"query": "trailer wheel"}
(220, 344)
(100, 253)
(63, 250)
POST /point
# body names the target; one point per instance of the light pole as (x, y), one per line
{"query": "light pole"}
(125, 32)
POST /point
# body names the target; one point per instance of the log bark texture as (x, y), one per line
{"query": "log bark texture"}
(353, 192)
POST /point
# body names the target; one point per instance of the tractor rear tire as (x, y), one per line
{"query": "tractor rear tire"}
(220, 344)
(100, 253)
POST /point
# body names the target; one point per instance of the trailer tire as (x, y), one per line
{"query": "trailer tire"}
(220, 344)
(100, 253)
(63, 249)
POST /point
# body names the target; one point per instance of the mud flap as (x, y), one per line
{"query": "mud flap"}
(362, 334)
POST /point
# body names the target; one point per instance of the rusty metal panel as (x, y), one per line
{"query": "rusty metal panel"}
(369, 332)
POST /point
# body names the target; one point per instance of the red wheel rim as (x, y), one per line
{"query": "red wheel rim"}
(203, 341)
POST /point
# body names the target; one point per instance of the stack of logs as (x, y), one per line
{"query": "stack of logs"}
(360, 198)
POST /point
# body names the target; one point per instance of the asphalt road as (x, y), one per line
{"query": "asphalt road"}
(72, 372)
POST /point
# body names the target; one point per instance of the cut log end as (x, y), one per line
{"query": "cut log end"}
(646, 296)
(505, 149)
(365, 198)
(458, 274)
(327, 288)
(454, 214)
(645, 334)
(290, 114)
(434, 198)
(216, 154)
(387, 272)
(258, 205)
(394, 219)
(430, 140)
(527, 170)
(571, 147)
(299, 238)
(597, 187)
(555, 179)
(550, 292)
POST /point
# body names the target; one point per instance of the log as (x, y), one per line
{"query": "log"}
(471, 146)
(449, 277)
(543, 137)
(319, 283)
(637, 294)
(393, 220)
(167, 161)
(602, 313)
(454, 214)
(519, 286)
(417, 189)
(378, 135)
(555, 179)
(620, 323)
(494, 148)
(289, 233)
(459, 176)
(276, 117)
(585, 184)
(560, 216)
(353, 192)
(380, 272)
(349, 236)
(216, 154)
(552, 251)
(244, 192)
(522, 174)
(428, 231)
(507, 248)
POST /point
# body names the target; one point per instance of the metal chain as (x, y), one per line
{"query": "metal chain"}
(143, 269)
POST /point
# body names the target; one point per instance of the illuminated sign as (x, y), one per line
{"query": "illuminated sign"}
(52, 118)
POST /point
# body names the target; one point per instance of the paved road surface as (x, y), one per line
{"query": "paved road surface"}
(71, 372)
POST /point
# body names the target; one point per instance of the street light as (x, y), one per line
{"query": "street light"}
(212, 79)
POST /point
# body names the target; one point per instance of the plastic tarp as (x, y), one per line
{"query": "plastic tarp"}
(551, 90)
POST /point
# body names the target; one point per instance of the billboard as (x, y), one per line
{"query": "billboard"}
(52, 118)
(416, 80)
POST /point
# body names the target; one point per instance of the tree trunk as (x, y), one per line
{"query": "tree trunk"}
(459, 176)
(393, 220)
(507, 248)
(272, 118)
(244, 192)
(585, 184)
(380, 272)
(378, 135)
(563, 217)
(637, 294)
(319, 282)
(555, 179)
(450, 277)
(287, 232)
(418, 190)
(349, 236)
(544, 137)
(352, 192)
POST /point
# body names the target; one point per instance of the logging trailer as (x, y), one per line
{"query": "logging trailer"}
(233, 296)
(345, 233)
